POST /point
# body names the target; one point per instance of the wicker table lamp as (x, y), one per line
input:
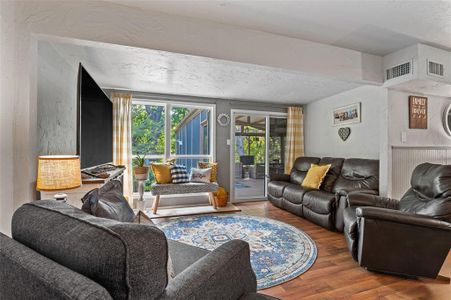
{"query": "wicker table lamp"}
(58, 173)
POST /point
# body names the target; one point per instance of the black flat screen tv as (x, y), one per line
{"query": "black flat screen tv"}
(95, 122)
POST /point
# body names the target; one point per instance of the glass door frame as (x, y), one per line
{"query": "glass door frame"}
(268, 115)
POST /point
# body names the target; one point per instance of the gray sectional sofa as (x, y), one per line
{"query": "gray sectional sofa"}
(325, 205)
(60, 252)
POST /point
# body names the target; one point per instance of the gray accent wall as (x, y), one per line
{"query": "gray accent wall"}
(57, 98)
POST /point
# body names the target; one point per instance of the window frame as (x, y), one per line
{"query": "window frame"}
(168, 105)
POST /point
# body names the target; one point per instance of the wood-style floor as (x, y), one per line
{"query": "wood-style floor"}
(335, 275)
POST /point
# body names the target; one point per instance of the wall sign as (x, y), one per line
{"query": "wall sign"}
(418, 112)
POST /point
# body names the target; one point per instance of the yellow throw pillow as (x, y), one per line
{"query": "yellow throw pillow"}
(315, 176)
(161, 172)
(214, 169)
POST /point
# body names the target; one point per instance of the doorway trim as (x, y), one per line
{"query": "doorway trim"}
(267, 115)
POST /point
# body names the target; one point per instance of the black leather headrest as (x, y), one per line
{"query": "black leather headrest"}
(358, 168)
(303, 163)
(432, 180)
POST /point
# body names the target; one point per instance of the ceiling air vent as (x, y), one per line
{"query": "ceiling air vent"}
(398, 70)
(436, 69)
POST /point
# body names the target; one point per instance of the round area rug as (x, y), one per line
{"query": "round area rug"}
(279, 252)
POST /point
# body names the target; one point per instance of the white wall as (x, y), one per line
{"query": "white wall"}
(398, 122)
(57, 110)
(321, 138)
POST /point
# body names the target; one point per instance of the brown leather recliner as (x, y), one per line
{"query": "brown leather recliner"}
(410, 237)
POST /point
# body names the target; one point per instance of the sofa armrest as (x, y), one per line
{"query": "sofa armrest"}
(396, 216)
(224, 273)
(278, 177)
(359, 191)
(361, 199)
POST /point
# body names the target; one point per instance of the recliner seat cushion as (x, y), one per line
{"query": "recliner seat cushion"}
(358, 174)
(276, 188)
(432, 180)
(319, 201)
(129, 260)
(294, 193)
(300, 167)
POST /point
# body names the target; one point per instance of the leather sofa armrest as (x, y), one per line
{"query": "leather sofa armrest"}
(224, 273)
(359, 191)
(396, 216)
(363, 199)
(279, 177)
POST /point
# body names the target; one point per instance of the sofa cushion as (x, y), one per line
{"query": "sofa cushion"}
(128, 259)
(294, 193)
(315, 176)
(276, 188)
(300, 167)
(108, 202)
(319, 201)
(184, 255)
(358, 174)
(333, 173)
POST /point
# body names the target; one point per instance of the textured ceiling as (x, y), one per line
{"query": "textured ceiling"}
(169, 73)
(376, 27)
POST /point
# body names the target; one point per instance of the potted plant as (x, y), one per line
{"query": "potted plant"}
(141, 171)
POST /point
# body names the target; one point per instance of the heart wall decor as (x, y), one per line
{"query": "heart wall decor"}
(344, 133)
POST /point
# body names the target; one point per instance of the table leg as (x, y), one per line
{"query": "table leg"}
(156, 202)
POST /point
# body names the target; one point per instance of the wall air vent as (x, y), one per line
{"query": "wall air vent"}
(398, 70)
(435, 69)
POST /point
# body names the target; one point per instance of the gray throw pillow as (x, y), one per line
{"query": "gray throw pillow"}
(108, 202)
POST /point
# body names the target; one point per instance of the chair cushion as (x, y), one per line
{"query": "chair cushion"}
(184, 255)
(214, 169)
(108, 202)
(315, 176)
(276, 188)
(294, 193)
(300, 167)
(179, 174)
(319, 201)
(128, 259)
(184, 188)
(161, 172)
(200, 175)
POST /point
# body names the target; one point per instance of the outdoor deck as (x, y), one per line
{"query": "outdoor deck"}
(249, 188)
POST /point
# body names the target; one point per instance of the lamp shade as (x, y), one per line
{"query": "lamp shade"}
(58, 172)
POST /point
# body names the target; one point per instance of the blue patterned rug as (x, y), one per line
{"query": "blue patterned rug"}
(279, 252)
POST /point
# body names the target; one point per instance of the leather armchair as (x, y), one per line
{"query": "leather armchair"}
(410, 237)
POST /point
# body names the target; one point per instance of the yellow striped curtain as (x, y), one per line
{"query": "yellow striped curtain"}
(122, 138)
(295, 137)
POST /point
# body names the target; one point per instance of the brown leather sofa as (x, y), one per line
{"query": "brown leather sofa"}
(410, 237)
(324, 206)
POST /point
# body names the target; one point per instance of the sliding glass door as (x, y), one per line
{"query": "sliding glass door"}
(258, 150)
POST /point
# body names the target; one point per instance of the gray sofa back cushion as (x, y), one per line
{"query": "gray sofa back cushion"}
(25, 274)
(128, 259)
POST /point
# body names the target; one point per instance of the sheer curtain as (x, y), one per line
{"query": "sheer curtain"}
(122, 138)
(295, 136)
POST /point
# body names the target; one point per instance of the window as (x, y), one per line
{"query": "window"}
(163, 130)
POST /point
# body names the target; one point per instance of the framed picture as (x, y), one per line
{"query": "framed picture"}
(348, 114)
(418, 112)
